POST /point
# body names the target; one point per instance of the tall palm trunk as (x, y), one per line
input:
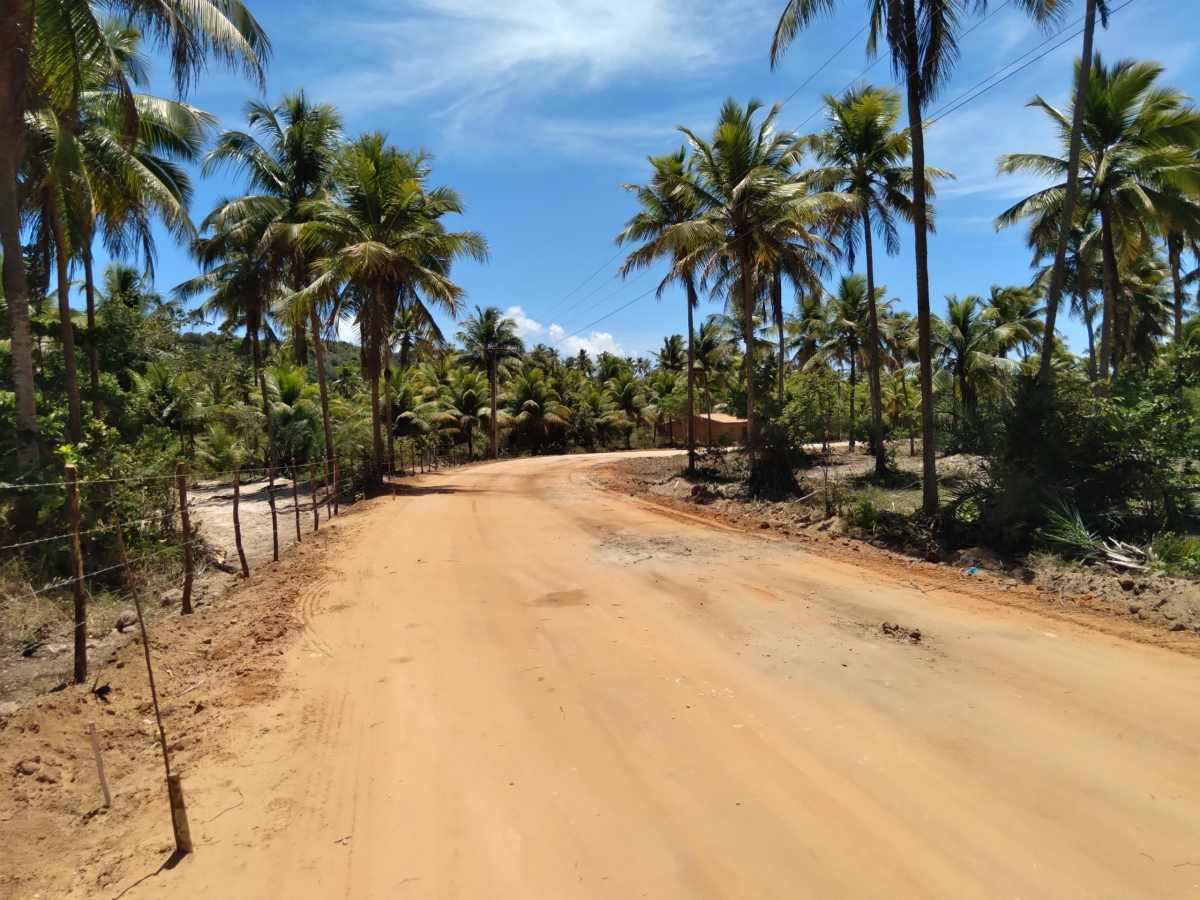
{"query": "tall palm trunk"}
(1109, 256)
(89, 288)
(777, 314)
(1060, 256)
(387, 384)
(494, 432)
(62, 257)
(853, 390)
(319, 350)
(747, 278)
(373, 356)
(912, 68)
(260, 375)
(16, 39)
(691, 376)
(1175, 251)
(874, 375)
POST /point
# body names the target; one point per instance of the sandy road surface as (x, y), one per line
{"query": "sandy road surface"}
(517, 685)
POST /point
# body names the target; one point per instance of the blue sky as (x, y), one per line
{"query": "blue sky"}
(537, 111)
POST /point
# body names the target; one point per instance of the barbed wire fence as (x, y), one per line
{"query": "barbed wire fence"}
(177, 525)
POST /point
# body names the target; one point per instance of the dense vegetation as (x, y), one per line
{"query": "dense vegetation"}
(780, 229)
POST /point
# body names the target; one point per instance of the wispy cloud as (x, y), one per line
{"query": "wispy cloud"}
(533, 332)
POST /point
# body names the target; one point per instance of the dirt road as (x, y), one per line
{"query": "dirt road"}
(517, 685)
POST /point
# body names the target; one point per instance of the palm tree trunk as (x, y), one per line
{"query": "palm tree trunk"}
(874, 374)
(89, 287)
(747, 278)
(1091, 338)
(777, 311)
(1175, 251)
(912, 68)
(62, 258)
(1064, 235)
(1109, 256)
(691, 376)
(16, 39)
(853, 385)
(495, 434)
(470, 446)
(260, 375)
(319, 350)
(387, 383)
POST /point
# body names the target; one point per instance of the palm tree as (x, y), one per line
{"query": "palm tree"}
(1071, 192)
(535, 405)
(863, 155)
(383, 235)
(848, 335)
(714, 352)
(64, 36)
(968, 341)
(745, 185)
(922, 39)
(624, 392)
(287, 155)
(662, 226)
(490, 342)
(1019, 324)
(672, 358)
(462, 404)
(1137, 157)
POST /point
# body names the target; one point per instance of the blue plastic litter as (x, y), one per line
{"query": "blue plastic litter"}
(973, 570)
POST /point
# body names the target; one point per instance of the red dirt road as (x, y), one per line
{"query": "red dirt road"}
(518, 685)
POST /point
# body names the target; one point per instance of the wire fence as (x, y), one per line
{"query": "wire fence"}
(178, 526)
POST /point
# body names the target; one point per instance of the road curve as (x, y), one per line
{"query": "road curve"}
(518, 685)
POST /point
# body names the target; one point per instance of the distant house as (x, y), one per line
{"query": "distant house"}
(717, 428)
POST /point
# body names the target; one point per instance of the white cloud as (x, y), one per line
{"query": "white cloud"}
(533, 332)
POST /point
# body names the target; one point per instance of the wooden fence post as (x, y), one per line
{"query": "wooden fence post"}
(337, 486)
(271, 499)
(237, 522)
(179, 820)
(312, 482)
(72, 480)
(326, 471)
(352, 495)
(296, 500)
(185, 522)
(100, 765)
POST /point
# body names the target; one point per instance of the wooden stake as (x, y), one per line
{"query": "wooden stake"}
(185, 521)
(337, 485)
(179, 823)
(271, 500)
(325, 473)
(312, 482)
(296, 500)
(352, 495)
(100, 765)
(72, 480)
(237, 522)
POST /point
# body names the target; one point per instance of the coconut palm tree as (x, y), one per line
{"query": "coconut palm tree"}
(715, 352)
(287, 154)
(63, 36)
(1137, 160)
(672, 357)
(745, 184)
(624, 392)
(968, 341)
(662, 226)
(534, 405)
(848, 331)
(462, 404)
(921, 37)
(490, 342)
(863, 155)
(1019, 323)
(383, 234)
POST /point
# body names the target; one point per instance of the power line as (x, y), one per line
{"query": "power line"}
(821, 67)
(955, 104)
(579, 287)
